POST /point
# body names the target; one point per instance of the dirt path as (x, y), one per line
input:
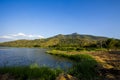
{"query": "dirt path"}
(110, 62)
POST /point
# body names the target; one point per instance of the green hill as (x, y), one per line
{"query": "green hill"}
(62, 41)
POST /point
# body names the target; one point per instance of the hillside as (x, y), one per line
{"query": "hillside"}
(70, 40)
(79, 36)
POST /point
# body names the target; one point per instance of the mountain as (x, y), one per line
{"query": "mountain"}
(76, 35)
(73, 39)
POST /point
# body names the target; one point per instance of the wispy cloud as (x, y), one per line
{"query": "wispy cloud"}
(7, 37)
(17, 36)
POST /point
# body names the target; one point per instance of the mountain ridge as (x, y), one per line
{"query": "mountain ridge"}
(81, 36)
(60, 40)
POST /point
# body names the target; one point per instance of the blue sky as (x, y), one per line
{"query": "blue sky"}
(51, 17)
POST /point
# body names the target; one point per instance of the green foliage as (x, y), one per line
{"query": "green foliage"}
(111, 43)
(117, 43)
(35, 65)
(84, 67)
(68, 42)
(33, 72)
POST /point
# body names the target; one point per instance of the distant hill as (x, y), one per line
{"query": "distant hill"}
(73, 39)
(76, 36)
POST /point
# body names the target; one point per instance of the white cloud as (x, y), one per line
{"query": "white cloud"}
(40, 36)
(8, 37)
(20, 36)
(30, 36)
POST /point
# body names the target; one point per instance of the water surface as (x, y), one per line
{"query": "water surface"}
(27, 56)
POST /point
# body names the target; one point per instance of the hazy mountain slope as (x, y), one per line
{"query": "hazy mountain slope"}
(63, 40)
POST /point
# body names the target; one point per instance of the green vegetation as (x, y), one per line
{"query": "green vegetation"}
(84, 67)
(73, 47)
(69, 42)
(30, 73)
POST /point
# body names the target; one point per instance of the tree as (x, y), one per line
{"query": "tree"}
(110, 44)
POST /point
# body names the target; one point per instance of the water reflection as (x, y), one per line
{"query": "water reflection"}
(28, 56)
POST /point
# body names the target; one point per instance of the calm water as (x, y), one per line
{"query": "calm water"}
(28, 56)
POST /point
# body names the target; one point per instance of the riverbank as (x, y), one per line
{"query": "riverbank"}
(88, 65)
(106, 63)
(104, 57)
(85, 66)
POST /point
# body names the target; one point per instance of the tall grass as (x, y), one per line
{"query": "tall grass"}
(84, 67)
(32, 72)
